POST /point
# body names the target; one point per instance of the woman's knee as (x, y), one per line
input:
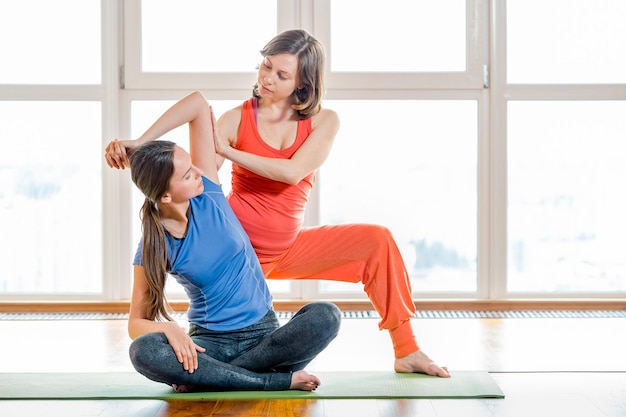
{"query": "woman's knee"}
(327, 314)
(378, 232)
(145, 349)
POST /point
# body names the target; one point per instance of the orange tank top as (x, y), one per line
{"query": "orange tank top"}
(271, 212)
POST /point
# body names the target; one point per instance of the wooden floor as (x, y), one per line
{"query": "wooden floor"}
(545, 366)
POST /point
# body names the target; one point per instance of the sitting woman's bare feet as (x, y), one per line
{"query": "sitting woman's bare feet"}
(418, 361)
(304, 381)
(181, 389)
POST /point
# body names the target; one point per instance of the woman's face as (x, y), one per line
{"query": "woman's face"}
(186, 181)
(278, 76)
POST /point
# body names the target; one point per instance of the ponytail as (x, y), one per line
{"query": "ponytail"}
(151, 168)
(155, 261)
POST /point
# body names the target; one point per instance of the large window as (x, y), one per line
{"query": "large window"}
(565, 105)
(424, 36)
(492, 152)
(44, 44)
(417, 176)
(566, 197)
(201, 36)
(50, 197)
(51, 126)
(571, 42)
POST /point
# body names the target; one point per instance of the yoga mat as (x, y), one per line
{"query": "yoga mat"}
(335, 385)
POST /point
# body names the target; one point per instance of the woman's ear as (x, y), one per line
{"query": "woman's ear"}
(166, 198)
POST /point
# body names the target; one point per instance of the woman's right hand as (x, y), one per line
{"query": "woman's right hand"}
(116, 153)
(184, 347)
(221, 145)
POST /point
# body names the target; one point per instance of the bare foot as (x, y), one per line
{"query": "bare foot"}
(304, 381)
(182, 388)
(420, 362)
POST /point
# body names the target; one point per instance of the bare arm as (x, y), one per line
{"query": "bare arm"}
(307, 159)
(192, 109)
(138, 324)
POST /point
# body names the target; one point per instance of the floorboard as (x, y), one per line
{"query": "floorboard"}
(545, 366)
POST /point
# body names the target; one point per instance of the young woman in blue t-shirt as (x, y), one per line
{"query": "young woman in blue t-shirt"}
(190, 232)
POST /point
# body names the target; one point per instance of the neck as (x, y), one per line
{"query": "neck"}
(176, 212)
(174, 219)
(276, 110)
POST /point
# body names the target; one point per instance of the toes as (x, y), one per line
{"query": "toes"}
(436, 370)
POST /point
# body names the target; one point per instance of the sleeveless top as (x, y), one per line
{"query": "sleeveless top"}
(271, 212)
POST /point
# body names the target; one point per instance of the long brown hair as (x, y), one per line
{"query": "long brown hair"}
(151, 167)
(311, 62)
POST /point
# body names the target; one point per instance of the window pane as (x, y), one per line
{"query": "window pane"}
(144, 113)
(566, 41)
(416, 176)
(205, 35)
(566, 222)
(50, 197)
(50, 42)
(398, 35)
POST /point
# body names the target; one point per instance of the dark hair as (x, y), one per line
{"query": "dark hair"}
(151, 167)
(311, 62)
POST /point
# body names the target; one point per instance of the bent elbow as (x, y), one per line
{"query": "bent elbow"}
(293, 178)
(133, 331)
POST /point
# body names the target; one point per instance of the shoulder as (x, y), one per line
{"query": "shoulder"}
(212, 196)
(326, 118)
(232, 115)
(209, 185)
(228, 122)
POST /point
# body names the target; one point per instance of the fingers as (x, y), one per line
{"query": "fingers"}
(109, 154)
(213, 126)
(183, 346)
(187, 355)
(194, 358)
(216, 135)
(188, 358)
(212, 117)
(115, 155)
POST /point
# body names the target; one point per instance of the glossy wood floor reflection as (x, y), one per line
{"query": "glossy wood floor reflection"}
(546, 367)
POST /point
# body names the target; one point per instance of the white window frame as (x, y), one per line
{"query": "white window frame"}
(484, 81)
(313, 15)
(473, 78)
(463, 85)
(500, 94)
(224, 83)
(113, 204)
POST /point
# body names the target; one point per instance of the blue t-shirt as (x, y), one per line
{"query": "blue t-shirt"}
(217, 266)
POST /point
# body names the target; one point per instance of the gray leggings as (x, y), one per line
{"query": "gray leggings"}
(259, 357)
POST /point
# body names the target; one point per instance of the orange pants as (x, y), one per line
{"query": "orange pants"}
(355, 253)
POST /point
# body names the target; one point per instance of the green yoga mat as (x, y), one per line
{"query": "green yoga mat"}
(130, 385)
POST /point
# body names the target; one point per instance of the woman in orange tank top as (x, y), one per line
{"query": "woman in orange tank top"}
(276, 141)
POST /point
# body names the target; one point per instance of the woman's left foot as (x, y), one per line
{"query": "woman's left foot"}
(181, 389)
(418, 361)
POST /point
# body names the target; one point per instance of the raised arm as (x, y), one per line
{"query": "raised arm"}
(307, 159)
(193, 110)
